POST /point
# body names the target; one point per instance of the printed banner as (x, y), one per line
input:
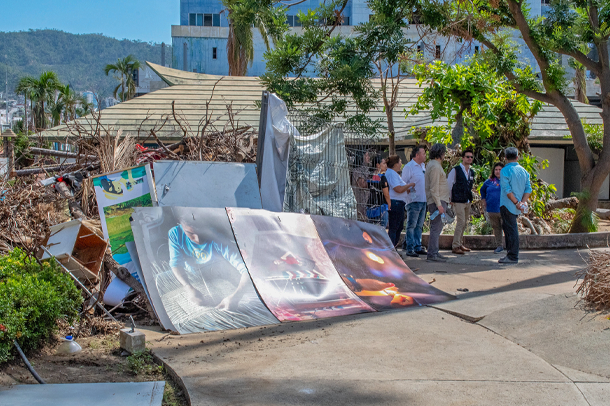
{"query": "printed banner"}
(196, 277)
(289, 266)
(365, 258)
(117, 194)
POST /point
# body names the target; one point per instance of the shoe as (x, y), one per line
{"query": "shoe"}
(465, 249)
(498, 250)
(412, 254)
(458, 251)
(441, 256)
(421, 251)
(436, 258)
(507, 260)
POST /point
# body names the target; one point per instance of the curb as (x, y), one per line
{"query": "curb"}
(175, 377)
(526, 241)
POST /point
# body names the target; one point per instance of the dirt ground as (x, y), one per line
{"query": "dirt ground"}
(604, 225)
(99, 361)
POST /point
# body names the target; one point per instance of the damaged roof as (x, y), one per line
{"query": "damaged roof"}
(192, 94)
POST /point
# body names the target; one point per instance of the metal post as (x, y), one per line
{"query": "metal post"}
(9, 138)
(163, 54)
(262, 126)
(184, 60)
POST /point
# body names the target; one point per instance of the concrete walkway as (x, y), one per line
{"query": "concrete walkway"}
(515, 338)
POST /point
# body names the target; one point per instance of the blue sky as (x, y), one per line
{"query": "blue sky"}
(145, 20)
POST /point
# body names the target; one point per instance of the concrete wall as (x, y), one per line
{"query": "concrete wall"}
(554, 173)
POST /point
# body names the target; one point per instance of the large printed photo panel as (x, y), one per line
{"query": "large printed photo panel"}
(365, 258)
(289, 266)
(196, 277)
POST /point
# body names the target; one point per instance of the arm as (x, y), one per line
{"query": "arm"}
(386, 195)
(232, 301)
(451, 180)
(403, 188)
(435, 188)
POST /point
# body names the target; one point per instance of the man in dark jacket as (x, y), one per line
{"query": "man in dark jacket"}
(460, 181)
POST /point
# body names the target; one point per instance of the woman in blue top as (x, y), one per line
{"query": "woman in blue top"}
(490, 197)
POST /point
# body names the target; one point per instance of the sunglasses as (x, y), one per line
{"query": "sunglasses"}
(469, 156)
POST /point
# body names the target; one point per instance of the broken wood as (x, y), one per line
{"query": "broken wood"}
(60, 154)
(566, 203)
(74, 206)
(123, 274)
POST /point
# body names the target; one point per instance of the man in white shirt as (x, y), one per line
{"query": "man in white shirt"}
(415, 172)
(398, 198)
(460, 182)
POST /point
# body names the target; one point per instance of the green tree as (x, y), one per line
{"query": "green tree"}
(123, 71)
(566, 28)
(325, 72)
(244, 16)
(41, 91)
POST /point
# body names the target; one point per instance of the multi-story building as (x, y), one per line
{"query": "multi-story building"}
(199, 43)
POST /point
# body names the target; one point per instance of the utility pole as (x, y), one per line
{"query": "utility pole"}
(6, 97)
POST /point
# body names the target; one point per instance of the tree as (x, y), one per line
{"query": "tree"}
(325, 72)
(41, 91)
(243, 16)
(567, 27)
(123, 71)
(483, 111)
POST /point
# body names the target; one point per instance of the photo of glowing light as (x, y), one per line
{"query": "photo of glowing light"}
(375, 258)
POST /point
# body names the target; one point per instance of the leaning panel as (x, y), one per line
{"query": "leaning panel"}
(195, 274)
(365, 258)
(289, 266)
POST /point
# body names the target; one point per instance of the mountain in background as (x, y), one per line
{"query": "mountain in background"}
(78, 59)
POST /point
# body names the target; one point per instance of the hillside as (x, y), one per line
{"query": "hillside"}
(78, 59)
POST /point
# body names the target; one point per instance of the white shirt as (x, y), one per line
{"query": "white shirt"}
(451, 177)
(394, 180)
(415, 173)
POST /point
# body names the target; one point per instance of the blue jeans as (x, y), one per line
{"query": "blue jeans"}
(397, 220)
(416, 214)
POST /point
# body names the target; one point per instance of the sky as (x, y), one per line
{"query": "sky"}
(144, 20)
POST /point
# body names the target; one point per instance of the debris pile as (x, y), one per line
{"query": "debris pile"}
(40, 203)
(595, 285)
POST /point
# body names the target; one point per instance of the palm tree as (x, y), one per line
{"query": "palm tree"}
(41, 91)
(243, 16)
(84, 106)
(123, 70)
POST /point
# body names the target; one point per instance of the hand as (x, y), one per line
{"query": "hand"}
(441, 209)
(228, 303)
(195, 296)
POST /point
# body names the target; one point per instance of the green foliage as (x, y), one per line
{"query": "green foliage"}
(32, 298)
(541, 191)
(585, 220)
(561, 220)
(595, 136)
(473, 97)
(77, 59)
(343, 66)
(141, 363)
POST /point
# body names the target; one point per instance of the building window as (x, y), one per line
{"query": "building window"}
(206, 20)
(294, 21)
(419, 51)
(136, 77)
(214, 53)
(476, 49)
(371, 17)
(437, 55)
(345, 21)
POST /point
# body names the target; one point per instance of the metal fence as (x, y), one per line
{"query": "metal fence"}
(333, 171)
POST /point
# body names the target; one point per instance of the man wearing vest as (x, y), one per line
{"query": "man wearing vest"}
(460, 181)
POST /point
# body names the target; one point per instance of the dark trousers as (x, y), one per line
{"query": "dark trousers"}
(397, 220)
(511, 233)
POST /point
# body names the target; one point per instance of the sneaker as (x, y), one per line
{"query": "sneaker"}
(507, 260)
(498, 250)
(421, 251)
(412, 254)
(436, 258)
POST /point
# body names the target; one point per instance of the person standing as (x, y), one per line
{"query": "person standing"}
(360, 177)
(398, 198)
(379, 199)
(437, 197)
(415, 172)
(460, 182)
(516, 190)
(490, 198)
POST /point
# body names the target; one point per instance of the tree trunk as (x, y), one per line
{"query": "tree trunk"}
(391, 132)
(458, 129)
(580, 85)
(587, 201)
(568, 202)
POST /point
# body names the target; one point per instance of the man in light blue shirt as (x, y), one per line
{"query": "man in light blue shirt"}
(515, 192)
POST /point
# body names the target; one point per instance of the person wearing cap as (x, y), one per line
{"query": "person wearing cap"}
(515, 192)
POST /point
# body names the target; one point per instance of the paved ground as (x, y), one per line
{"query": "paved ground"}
(516, 337)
